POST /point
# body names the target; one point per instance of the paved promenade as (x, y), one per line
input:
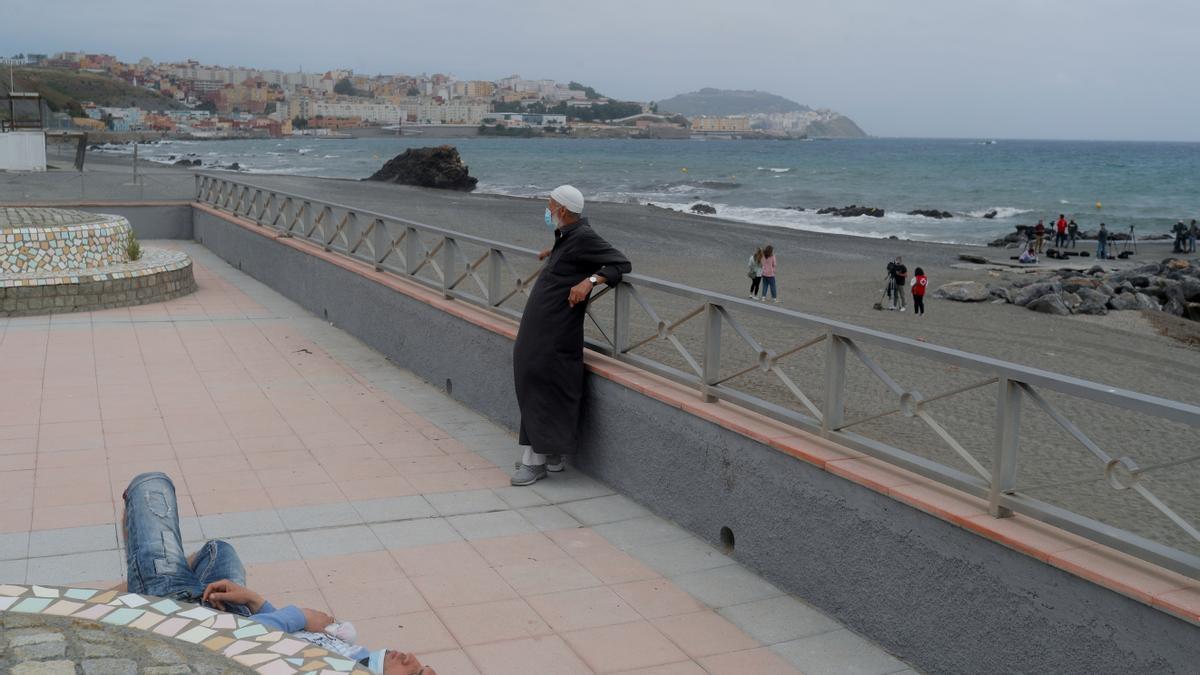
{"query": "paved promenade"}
(350, 485)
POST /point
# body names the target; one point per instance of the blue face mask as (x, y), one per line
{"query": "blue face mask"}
(549, 219)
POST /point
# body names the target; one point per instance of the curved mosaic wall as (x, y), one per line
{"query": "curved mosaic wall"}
(248, 644)
(55, 240)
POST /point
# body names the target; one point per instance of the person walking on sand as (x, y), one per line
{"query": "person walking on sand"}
(1180, 231)
(754, 270)
(1039, 236)
(548, 352)
(768, 274)
(919, 282)
(1060, 232)
(1073, 231)
(1193, 233)
(1102, 242)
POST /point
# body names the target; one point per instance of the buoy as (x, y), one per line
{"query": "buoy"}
(684, 169)
(1099, 205)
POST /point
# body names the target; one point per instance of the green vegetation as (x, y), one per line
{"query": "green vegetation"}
(65, 90)
(344, 87)
(725, 102)
(509, 132)
(133, 249)
(587, 91)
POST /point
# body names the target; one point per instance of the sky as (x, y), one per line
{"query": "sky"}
(1069, 69)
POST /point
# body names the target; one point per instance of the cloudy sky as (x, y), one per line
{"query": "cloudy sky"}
(1091, 69)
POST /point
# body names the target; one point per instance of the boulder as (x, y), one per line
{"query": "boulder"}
(439, 167)
(701, 207)
(1190, 288)
(1192, 311)
(1034, 291)
(851, 211)
(1091, 302)
(977, 259)
(1051, 303)
(931, 213)
(990, 214)
(1174, 307)
(1072, 284)
(963, 291)
(1000, 293)
(1132, 301)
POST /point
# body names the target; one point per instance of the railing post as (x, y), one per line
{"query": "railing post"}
(495, 278)
(448, 249)
(1008, 440)
(621, 306)
(835, 384)
(380, 243)
(413, 254)
(712, 350)
(196, 190)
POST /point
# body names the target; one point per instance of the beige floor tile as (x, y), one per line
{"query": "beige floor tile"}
(679, 668)
(231, 501)
(761, 660)
(376, 488)
(547, 655)
(493, 621)
(452, 558)
(657, 598)
(451, 662)
(406, 631)
(355, 569)
(608, 649)
(465, 588)
(280, 577)
(547, 576)
(15, 520)
(582, 542)
(704, 634)
(616, 568)
(370, 601)
(73, 515)
(307, 495)
(585, 608)
(517, 549)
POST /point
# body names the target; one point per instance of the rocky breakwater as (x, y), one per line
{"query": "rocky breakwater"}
(1171, 286)
(438, 167)
(852, 211)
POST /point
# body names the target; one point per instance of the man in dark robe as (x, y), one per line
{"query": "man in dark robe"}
(548, 354)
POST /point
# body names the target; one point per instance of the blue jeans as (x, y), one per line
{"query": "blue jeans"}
(154, 557)
(768, 282)
(1102, 250)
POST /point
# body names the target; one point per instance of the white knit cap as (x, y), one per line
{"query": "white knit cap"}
(569, 197)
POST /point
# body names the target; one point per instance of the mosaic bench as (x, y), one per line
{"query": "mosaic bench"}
(44, 628)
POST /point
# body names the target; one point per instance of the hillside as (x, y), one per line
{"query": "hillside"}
(803, 120)
(724, 102)
(64, 90)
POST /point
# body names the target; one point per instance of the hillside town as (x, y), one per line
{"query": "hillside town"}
(194, 100)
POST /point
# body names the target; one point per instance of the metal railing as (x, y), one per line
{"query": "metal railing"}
(498, 276)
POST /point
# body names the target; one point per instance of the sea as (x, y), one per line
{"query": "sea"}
(1146, 186)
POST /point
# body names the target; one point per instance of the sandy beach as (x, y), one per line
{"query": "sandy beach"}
(838, 277)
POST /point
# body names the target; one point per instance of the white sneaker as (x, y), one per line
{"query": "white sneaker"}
(903, 308)
(776, 301)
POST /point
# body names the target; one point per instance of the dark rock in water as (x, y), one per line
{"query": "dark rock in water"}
(795, 208)
(701, 207)
(977, 259)
(990, 214)
(235, 166)
(183, 162)
(851, 211)
(439, 167)
(931, 213)
(1050, 304)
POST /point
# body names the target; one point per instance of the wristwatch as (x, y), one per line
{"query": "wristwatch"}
(594, 279)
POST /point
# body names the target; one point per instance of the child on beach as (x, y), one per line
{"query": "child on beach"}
(1028, 257)
(768, 274)
(754, 270)
(919, 282)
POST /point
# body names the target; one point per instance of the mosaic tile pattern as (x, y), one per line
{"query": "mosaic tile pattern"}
(53, 240)
(153, 261)
(246, 642)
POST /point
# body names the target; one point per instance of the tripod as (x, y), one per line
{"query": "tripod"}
(1131, 241)
(889, 293)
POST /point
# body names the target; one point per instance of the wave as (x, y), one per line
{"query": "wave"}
(774, 169)
(1001, 212)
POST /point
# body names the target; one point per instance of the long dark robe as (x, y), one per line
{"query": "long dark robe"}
(548, 354)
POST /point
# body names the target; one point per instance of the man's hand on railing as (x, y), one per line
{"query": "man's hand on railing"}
(545, 253)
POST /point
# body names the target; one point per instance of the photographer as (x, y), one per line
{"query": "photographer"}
(897, 282)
